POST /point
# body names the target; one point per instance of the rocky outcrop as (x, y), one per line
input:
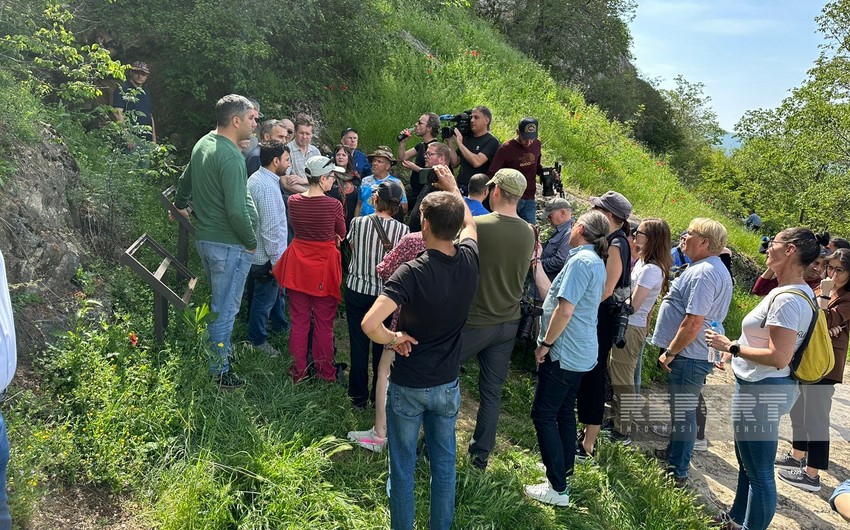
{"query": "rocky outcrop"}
(38, 234)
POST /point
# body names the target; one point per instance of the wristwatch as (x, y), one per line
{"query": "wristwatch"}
(544, 343)
(734, 348)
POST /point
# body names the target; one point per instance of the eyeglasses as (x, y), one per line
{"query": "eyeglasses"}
(637, 232)
(772, 241)
(836, 270)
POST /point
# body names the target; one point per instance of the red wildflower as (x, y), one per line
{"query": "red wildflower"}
(344, 88)
(133, 339)
(331, 88)
(428, 72)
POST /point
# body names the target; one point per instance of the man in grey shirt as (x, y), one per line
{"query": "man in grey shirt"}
(555, 250)
(700, 296)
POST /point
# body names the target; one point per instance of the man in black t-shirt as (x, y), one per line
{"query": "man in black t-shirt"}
(475, 151)
(423, 385)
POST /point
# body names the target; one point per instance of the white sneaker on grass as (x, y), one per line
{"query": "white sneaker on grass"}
(544, 493)
(368, 440)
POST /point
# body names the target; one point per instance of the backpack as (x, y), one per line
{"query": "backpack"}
(814, 358)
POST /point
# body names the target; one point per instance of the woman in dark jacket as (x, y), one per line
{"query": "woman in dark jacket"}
(810, 415)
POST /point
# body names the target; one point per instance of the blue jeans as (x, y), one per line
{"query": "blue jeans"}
(756, 409)
(267, 303)
(527, 209)
(553, 413)
(685, 384)
(5, 517)
(226, 268)
(408, 408)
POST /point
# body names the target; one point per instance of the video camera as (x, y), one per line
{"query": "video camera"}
(551, 180)
(461, 122)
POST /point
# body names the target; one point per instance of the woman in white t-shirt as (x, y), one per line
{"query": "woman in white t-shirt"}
(764, 388)
(649, 278)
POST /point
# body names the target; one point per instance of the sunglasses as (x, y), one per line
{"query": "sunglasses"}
(637, 232)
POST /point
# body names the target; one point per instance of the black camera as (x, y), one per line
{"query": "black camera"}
(461, 122)
(622, 310)
(427, 176)
(551, 182)
(765, 242)
(527, 322)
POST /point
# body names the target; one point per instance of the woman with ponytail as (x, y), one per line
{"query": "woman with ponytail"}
(567, 349)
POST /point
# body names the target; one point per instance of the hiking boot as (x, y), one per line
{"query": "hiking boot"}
(620, 438)
(268, 349)
(701, 445)
(478, 461)
(662, 454)
(544, 493)
(725, 522)
(229, 380)
(787, 461)
(800, 479)
(368, 440)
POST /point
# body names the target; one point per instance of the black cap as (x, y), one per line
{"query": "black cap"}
(528, 129)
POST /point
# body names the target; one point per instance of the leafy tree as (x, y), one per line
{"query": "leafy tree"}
(697, 124)
(800, 151)
(577, 39)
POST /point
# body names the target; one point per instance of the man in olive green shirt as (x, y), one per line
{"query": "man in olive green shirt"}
(505, 244)
(215, 180)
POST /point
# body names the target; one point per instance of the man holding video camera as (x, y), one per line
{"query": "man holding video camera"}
(475, 150)
(523, 154)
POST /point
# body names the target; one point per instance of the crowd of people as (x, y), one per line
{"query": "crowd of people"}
(434, 273)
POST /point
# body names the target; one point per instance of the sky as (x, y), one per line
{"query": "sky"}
(747, 53)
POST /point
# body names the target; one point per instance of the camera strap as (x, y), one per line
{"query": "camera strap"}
(382, 234)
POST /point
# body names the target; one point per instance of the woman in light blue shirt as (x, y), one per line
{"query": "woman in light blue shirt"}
(567, 349)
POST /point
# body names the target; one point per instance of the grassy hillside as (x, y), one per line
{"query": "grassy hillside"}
(116, 410)
(468, 63)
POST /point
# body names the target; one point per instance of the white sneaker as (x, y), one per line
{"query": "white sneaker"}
(544, 493)
(368, 440)
(270, 350)
(701, 445)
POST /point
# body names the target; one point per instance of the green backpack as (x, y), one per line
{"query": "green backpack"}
(815, 357)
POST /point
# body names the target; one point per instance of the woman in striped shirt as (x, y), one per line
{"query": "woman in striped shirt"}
(371, 237)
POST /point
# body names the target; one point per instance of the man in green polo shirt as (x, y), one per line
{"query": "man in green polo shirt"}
(215, 180)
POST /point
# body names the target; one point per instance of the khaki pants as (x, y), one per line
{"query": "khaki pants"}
(621, 367)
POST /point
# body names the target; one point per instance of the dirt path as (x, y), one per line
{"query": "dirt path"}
(714, 473)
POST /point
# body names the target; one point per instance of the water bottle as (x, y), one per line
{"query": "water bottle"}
(715, 356)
